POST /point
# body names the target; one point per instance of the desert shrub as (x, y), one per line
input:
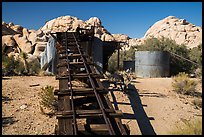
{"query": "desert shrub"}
(183, 84)
(34, 68)
(48, 99)
(190, 128)
(19, 66)
(11, 66)
(195, 55)
(197, 103)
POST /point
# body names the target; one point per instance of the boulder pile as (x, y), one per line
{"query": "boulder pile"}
(16, 38)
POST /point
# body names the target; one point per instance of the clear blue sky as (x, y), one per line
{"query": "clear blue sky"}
(131, 18)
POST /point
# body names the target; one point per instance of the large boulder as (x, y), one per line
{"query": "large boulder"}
(69, 23)
(107, 37)
(176, 29)
(6, 30)
(8, 41)
(32, 37)
(94, 21)
(39, 48)
(25, 32)
(17, 28)
(23, 43)
(121, 37)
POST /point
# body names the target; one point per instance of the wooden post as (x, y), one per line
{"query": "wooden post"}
(118, 58)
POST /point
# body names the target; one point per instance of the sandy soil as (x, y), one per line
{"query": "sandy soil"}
(150, 106)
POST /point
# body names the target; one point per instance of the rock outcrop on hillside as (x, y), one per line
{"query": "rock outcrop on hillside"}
(69, 23)
(16, 37)
(176, 29)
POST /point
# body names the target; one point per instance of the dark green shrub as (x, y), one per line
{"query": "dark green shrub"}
(10, 65)
(34, 68)
(195, 55)
(19, 66)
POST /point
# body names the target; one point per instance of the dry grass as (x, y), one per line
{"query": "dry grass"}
(189, 128)
(183, 84)
(197, 103)
(48, 99)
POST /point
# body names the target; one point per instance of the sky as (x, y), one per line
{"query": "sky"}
(130, 18)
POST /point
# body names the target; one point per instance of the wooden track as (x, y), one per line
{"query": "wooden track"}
(88, 103)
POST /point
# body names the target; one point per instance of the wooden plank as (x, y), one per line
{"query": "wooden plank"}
(97, 129)
(64, 51)
(88, 113)
(65, 125)
(82, 75)
(64, 56)
(80, 91)
(64, 64)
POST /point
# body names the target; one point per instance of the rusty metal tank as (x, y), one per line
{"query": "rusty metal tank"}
(152, 64)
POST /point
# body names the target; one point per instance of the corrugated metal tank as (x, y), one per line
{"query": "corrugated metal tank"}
(152, 64)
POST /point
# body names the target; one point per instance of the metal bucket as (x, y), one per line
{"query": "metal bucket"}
(152, 64)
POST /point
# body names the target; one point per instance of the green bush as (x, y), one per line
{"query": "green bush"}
(10, 65)
(20, 66)
(183, 84)
(48, 99)
(195, 55)
(34, 68)
(190, 128)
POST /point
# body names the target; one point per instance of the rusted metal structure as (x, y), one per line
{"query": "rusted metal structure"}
(88, 103)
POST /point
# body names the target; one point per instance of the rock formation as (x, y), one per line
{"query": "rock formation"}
(69, 23)
(34, 41)
(176, 29)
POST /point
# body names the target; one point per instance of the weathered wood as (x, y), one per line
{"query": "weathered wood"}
(64, 56)
(82, 75)
(79, 91)
(89, 113)
(90, 99)
(65, 125)
(97, 129)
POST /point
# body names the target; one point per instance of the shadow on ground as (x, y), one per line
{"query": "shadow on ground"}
(8, 121)
(6, 78)
(140, 115)
(5, 98)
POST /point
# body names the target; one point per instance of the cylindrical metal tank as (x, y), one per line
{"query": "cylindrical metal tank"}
(152, 64)
(129, 64)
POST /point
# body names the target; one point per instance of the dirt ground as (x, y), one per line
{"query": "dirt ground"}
(149, 106)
